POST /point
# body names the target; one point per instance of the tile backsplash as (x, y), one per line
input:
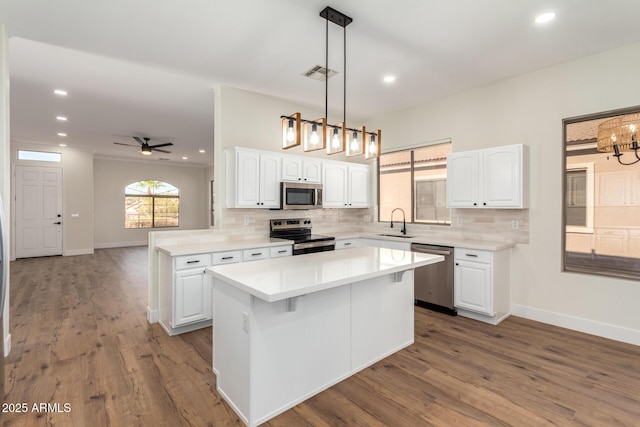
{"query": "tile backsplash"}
(477, 224)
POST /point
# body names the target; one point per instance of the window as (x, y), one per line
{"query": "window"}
(40, 156)
(151, 204)
(601, 207)
(415, 181)
(579, 198)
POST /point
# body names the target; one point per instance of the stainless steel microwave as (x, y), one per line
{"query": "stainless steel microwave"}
(297, 195)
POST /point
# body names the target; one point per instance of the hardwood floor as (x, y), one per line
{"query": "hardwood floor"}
(80, 337)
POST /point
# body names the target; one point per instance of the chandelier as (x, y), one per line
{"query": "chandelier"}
(620, 134)
(318, 134)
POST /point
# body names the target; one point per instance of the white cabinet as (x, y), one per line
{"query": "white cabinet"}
(185, 294)
(347, 243)
(489, 178)
(253, 179)
(481, 284)
(345, 185)
(299, 169)
(192, 297)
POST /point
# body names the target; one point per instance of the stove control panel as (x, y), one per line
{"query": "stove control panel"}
(283, 224)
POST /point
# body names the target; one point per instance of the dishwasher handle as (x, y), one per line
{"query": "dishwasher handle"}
(431, 251)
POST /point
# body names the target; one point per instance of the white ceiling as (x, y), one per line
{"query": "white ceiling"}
(148, 68)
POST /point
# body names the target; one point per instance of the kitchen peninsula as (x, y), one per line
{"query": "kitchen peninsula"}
(285, 329)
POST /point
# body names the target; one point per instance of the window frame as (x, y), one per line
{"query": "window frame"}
(586, 269)
(415, 208)
(411, 149)
(153, 198)
(590, 197)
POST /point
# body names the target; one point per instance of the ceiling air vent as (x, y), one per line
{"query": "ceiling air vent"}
(319, 73)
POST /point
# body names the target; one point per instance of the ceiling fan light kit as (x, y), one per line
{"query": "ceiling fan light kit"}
(318, 134)
(145, 148)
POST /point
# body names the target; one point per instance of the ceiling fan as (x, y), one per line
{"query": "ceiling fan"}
(145, 148)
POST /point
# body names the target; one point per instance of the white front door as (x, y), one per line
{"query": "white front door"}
(38, 210)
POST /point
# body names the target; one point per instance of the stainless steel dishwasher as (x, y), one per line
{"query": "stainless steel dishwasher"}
(433, 284)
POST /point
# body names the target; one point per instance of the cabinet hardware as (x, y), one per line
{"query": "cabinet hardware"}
(284, 251)
(471, 255)
(57, 223)
(227, 257)
(347, 244)
(193, 262)
(257, 254)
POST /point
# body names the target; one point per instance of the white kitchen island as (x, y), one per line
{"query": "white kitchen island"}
(285, 329)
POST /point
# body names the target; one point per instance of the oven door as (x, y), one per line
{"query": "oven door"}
(300, 196)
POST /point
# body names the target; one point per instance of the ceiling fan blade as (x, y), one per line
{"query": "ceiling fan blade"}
(139, 140)
(162, 151)
(161, 145)
(128, 145)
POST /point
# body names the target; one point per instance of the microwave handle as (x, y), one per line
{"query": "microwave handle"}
(319, 196)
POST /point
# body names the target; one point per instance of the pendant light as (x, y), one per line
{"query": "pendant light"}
(318, 134)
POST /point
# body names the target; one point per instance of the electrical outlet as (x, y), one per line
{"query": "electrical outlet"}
(245, 220)
(245, 322)
(515, 224)
(458, 222)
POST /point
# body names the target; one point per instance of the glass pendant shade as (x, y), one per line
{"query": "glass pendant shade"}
(291, 130)
(372, 143)
(315, 135)
(356, 143)
(336, 137)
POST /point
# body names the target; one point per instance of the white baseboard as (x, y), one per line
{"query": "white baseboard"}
(7, 345)
(605, 330)
(152, 315)
(73, 252)
(120, 244)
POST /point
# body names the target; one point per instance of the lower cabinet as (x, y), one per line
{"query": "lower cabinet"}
(192, 297)
(185, 296)
(481, 284)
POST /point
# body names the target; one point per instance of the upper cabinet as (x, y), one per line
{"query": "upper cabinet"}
(345, 185)
(301, 169)
(491, 178)
(253, 179)
(254, 176)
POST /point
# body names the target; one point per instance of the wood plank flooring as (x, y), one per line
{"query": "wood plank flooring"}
(80, 337)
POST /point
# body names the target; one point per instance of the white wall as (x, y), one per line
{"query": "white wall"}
(5, 173)
(77, 193)
(112, 176)
(529, 109)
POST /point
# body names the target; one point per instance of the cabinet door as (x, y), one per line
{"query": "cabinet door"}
(192, 297)
(247, 179)
(269, 181)
(291, 169)
(472, 287)
(312, 171)
(358, 195)
(463, 179)
(501, 173)
(334, 179)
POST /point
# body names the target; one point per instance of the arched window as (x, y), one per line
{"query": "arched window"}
(151, 204)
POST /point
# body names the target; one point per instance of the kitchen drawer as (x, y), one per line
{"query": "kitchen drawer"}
(254, 254)
(192, 261)
(226, 257)
(281, 251)
(462, 254)
(348, 243)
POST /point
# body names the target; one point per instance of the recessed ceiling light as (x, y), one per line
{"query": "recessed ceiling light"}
(389, 79)
(62, 145)
(545, 17)
(62, 134)
(202, 151)
(60, 92)
(185, 158)
(61, 118)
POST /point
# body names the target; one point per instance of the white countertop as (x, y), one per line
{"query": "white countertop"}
(223, 245)
(488, 245)
(280, 278)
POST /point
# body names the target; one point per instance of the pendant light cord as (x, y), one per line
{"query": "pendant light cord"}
(344, 84)
(326, 70)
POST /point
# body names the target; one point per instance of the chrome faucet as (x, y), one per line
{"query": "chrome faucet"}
(403, 230)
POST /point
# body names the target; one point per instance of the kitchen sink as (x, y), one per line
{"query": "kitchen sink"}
(396, 235)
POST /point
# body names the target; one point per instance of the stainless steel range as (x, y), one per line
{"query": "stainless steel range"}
(299, 230)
